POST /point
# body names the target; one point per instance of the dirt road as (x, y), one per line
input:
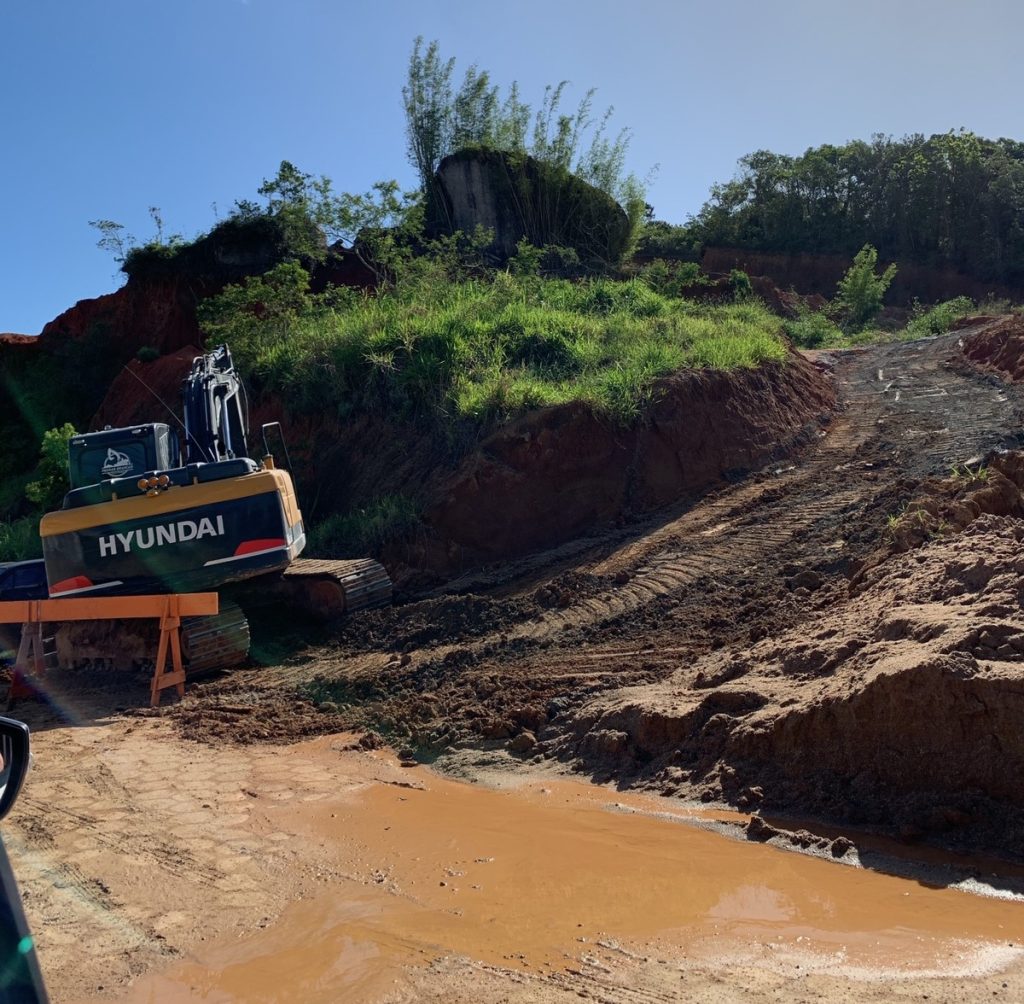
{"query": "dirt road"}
(626, 655)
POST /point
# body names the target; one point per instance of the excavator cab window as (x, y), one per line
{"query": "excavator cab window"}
(121, 453)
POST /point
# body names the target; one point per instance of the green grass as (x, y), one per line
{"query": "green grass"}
(363, 531)
(938, 319)
(19, 539)
(814, 329)
(485, 350)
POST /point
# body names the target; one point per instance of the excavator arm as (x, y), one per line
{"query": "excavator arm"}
(216, 411)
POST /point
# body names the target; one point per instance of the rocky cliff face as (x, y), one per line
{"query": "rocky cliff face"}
(158, 313)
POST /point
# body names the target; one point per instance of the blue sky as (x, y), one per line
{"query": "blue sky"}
(111, 106)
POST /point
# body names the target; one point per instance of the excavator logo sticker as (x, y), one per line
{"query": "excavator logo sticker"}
(117, 464)
(156, 536)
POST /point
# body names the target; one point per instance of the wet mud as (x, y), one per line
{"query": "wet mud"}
(555, 874)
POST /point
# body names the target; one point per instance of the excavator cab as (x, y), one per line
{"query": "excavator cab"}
(121, 453)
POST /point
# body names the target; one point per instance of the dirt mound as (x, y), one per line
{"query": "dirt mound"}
(996, 343)
(901, 708)
(944, 506)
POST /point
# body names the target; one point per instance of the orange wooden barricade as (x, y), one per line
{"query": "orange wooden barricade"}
(170, 608)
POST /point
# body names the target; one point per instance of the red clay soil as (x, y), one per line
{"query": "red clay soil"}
(160, 314)
(15, 349)
(944, 506)
(715, 649)
(819, 273)
(136, 392)
(900, 708)
(995, 343)
(562, 471)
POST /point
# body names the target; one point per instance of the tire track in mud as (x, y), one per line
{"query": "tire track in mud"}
(978, 416)
(700, 545)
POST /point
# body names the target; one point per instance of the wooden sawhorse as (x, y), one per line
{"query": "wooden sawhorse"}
(168, 608)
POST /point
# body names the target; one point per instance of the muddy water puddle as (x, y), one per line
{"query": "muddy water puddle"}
(542, 877)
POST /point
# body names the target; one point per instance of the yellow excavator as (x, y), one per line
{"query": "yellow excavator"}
(153, 509)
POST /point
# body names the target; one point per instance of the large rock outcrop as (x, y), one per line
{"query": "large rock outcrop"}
(519, 197)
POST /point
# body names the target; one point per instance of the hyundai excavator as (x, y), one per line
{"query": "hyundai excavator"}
(153, 509)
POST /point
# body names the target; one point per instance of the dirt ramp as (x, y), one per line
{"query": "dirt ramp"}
(899, 708)
(561, 471)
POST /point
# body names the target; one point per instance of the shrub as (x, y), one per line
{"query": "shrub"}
(673, 278)
(860, 292)
(938, 319)
(665, 240)
(19, 539)
(811, 329)
(739, 283)
(364, 531)
(51, 484)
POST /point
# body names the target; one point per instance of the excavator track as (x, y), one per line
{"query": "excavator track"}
(330, 589)
(207, 643)
(212, 643)
(324, 589)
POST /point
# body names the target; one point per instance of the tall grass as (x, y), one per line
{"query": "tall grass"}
(363, 531)
(19, 539)
(487, 349)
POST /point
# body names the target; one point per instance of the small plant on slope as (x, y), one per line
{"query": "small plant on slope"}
(861, 291)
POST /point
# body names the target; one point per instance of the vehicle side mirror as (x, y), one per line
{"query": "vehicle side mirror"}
(14, 747)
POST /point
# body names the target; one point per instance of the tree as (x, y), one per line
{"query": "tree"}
(427, 98)
(952, 200)
(860, 292)
(51, 485)
(380, 225)
(302, 204)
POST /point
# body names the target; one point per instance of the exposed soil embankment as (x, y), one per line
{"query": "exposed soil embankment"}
(996, 343)
(339, 464)
(160, 314)
(536, 482)
(563, 471)
(819, 273)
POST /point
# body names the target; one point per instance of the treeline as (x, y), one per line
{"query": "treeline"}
(951, 200)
